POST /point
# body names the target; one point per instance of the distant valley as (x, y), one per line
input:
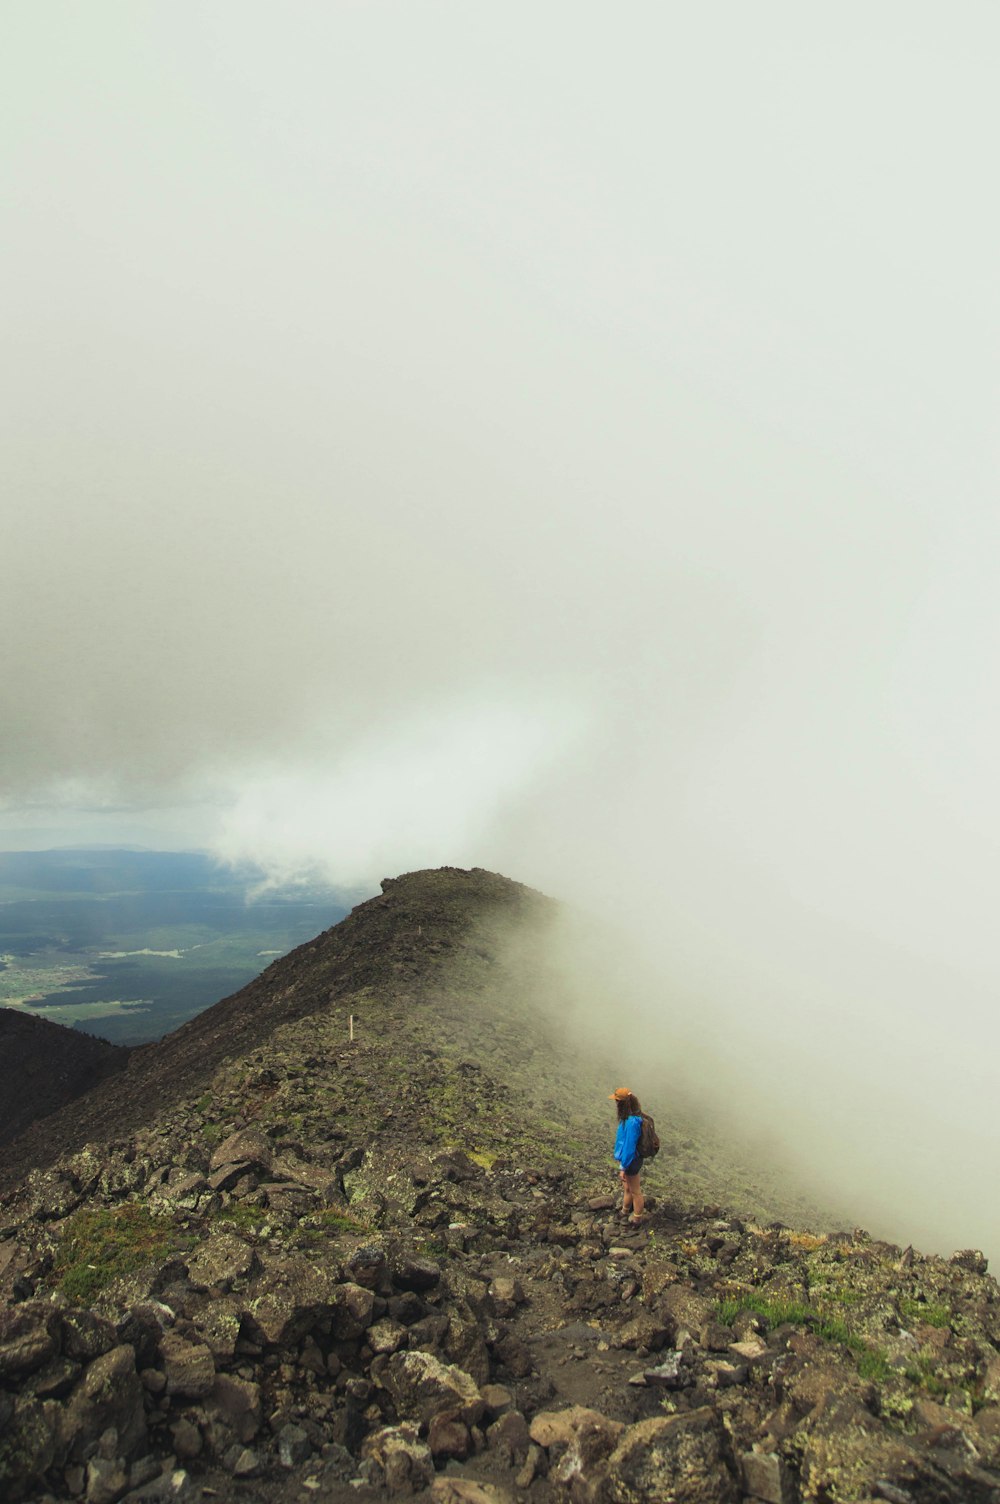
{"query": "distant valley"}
(131, 944)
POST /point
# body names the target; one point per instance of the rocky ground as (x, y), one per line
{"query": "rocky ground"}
(378, 1268)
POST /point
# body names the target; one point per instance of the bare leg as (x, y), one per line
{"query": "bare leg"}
(633, 1198)
(626, 1191)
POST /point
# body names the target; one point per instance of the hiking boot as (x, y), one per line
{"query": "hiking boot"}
(638, 1221)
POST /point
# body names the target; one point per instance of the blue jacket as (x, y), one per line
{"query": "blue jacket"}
(627, 1144)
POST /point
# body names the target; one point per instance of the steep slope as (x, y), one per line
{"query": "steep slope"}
(362, 1268)
(387, 953)
(44, 1066)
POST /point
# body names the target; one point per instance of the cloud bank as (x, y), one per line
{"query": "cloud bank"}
(523, 442)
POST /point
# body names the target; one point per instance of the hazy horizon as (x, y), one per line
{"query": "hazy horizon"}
(569, 448)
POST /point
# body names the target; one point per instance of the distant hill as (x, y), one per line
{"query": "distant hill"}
(44, 1066)
(129, 943)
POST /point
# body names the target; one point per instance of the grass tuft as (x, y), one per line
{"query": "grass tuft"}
(927, 1313)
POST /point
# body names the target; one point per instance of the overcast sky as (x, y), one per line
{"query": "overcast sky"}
(558, 438)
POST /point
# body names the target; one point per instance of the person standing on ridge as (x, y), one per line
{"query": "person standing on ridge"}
(627, 1154)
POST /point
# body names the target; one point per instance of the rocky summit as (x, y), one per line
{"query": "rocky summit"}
(352, 1235)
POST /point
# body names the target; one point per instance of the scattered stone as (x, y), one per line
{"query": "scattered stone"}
(725, 1375)
(106, 1480)
(294, 1446)
(29, 1336)
(220, 1260)
(509, 1436)
(246, 1148)
(643, 1331)
(109, 1394)
(678, 1457)
(416, 1274)
(463, 1491)
(766, 1477)
(506, 1294)
(972, 1259)
(672, 1372)
(235, 1403)
(579, 1439)
(448, 1437)
(497, 1398)
(187, 1366)
(421, 1386)
(398, 1460)
(749, 1351)
(187, 1439)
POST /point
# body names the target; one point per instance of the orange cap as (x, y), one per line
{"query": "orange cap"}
(619, 1094)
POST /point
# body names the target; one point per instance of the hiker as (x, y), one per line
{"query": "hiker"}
(627, 1154)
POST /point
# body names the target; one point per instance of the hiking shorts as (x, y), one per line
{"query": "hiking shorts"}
(634, 1167)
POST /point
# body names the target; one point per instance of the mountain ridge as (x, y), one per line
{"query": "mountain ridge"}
(390, 1265)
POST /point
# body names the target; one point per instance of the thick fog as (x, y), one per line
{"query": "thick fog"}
(555, 439)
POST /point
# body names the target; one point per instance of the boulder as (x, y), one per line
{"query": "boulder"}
(766, 1477)
(683, 1309)
(107, 1480)
(971, 1259)
(387, 1336)
(506, 1294)
(352, 1310)
(234, 1408)
(109, 1394)
(397, 1460)
(30, 1447)
(464, 1344)
(247, 1148)
(579, 1439)
(188, 1367)
(85, 1335)
(288, 1298)
(509, 1436)
(448, 1437)
(682, 1456)
(366, 1266)
(29, 1337)
(221, 1260)
(412, 1273)
(644, 1330)
(420, 1387)
(673, 1372)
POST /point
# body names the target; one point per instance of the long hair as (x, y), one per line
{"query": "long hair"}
(628, 1107)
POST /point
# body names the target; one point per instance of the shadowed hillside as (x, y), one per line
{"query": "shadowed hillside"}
(44, 1066)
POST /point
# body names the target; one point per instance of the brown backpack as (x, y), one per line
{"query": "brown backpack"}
(649, 1143)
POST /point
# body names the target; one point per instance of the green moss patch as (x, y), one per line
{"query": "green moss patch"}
(101, 1245)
